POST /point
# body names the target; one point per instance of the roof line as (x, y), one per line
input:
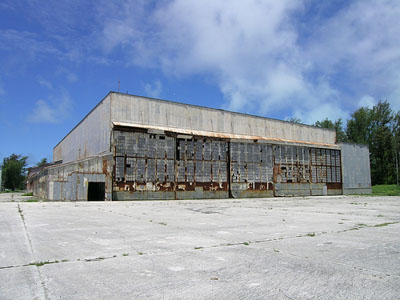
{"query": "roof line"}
(184, 104)
(220, 109)
(83, 119)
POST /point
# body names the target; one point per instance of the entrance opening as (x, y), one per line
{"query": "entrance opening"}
(96, 191)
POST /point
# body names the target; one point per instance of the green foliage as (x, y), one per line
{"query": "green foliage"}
(337, 126)
(14, 172)
(42, 162)
(386, 190)
(28, 194)
(294, 120)
(375, 127)
(358, 127)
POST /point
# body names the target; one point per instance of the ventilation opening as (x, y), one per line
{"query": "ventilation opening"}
(96, 191)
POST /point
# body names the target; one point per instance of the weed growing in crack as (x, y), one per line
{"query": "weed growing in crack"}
(385, 224)
(21, 213)
(312, 234)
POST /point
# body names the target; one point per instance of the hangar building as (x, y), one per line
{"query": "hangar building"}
(136, 148)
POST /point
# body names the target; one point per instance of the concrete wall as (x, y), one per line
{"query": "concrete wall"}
(89, 138)
(356, 169)
(69, 182)
(147, 111)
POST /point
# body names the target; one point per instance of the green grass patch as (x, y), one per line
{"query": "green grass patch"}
(28, 194)
(32, 200)
(386, 190)
(384, 224)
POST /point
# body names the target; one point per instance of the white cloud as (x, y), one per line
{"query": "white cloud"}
(367, 101)
(260, 55)
(153, 90)
(45, 83)
(55, 110)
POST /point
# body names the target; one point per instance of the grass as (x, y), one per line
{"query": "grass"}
(384, 224)
(28, 194)
(386, 190)
(311, 234)
(32, 200)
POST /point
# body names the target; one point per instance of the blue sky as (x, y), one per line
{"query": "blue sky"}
(281, 59)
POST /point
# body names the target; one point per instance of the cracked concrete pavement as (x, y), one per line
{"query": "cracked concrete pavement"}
(343, 247)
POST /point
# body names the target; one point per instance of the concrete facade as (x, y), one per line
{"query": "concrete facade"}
(136, 148)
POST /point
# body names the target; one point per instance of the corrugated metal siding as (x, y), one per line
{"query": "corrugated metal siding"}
(89, 138)
(147, 111)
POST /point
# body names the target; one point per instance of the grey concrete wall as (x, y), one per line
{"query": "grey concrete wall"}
(147, 111)
(356, 169)
(89, 138)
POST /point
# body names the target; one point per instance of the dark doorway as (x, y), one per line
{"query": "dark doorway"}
(96, 191)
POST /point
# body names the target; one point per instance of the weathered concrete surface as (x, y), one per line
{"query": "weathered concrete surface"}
(14, 197)
(288, 248)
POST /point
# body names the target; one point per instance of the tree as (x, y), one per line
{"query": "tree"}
(294, 120)
(42, 162)
(396, 143)
(337, 126)
(359, 125)
(14, 172)
(381, 143)
(374, 127)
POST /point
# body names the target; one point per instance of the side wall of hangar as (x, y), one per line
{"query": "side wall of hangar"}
(136, 148)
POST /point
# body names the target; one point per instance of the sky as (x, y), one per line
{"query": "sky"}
(307, 59)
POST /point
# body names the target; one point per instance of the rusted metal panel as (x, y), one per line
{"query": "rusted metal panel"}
(199, 166)
(292, 164)
(251, 169)
(146, 162)
(326, 168)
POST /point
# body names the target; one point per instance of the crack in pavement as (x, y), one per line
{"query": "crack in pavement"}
(246, 243)
(45, 292)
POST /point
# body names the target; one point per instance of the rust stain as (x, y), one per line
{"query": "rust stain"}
(105, 166)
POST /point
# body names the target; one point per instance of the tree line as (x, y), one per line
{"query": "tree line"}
(377, 127)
